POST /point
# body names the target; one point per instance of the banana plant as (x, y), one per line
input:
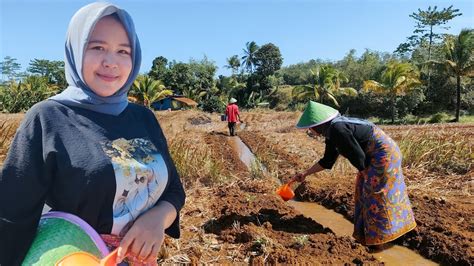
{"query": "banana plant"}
(147, 90)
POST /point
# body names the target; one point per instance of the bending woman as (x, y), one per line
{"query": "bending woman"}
(382, 209)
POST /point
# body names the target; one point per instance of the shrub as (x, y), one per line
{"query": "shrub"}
(438, 118)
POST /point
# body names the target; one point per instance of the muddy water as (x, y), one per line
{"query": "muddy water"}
(394, 255)
(245, 154)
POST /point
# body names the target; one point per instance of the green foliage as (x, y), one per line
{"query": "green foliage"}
(203, 72)
(52, 70)
(9, 68)
(248, 59)
(467, 119)
(438, 118)
(298, 74)
(368, 66)
(18, 97)
(229, 86)
(213, 104)
(268, 59)
(159, 69)
(233, 63)
(407, 103)
(459, 60)
(194, 80)
(325, 86)
(179, 77)
(364, 105)
(396, 80)
(426, 23)
(148, 91)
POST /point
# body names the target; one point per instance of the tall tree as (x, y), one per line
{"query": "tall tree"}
(179, 77)
(460, 60)
(159, 68)
(9, 67)
(248, 59)
(396, 80)
(268, 59)
(426, 22)
(52, 70)
(233, 63)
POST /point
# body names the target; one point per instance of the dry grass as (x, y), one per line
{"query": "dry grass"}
(438, 151)
(8, 126)
(194, 162)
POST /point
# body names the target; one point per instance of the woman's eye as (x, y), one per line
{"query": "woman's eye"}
(98, 48)
(124, 52)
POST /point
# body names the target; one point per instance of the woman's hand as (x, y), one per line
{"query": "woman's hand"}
(300, 177)
(144, 239)
(146, 235)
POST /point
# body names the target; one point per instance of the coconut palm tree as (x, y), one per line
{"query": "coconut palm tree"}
(397, 79)
(325, 86)
(248, 60)
(233, 63)
(459, 60)
(147, 90)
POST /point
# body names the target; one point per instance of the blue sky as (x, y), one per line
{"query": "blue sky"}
(180, 30)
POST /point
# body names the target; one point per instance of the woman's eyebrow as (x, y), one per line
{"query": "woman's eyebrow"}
(103, 42)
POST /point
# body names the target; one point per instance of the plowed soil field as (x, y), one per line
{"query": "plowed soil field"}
(233, 216)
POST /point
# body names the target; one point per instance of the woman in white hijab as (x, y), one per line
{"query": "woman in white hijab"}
(91, 153)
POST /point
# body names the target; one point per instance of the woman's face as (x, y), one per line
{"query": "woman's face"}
(312, 133)
(107, 59)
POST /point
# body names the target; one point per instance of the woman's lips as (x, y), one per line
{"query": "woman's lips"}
(106, 77)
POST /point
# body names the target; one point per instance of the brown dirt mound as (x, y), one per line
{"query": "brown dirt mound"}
(269, 231)
(221, 151)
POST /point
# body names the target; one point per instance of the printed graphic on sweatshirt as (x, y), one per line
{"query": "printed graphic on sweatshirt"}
(141, 176)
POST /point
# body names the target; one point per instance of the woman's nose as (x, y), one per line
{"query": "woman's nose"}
(109, 60)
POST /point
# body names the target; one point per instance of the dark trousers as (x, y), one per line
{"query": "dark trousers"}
(231, 126)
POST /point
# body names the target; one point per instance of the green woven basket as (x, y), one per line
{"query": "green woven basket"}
(60, 234)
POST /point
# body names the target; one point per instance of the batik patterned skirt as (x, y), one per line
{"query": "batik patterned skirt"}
(382, 209)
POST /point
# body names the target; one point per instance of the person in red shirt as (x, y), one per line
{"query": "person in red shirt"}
(233, 115)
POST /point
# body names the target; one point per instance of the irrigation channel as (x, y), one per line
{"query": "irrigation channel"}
(393, 255)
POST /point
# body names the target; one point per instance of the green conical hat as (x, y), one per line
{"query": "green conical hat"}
(316, 114)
